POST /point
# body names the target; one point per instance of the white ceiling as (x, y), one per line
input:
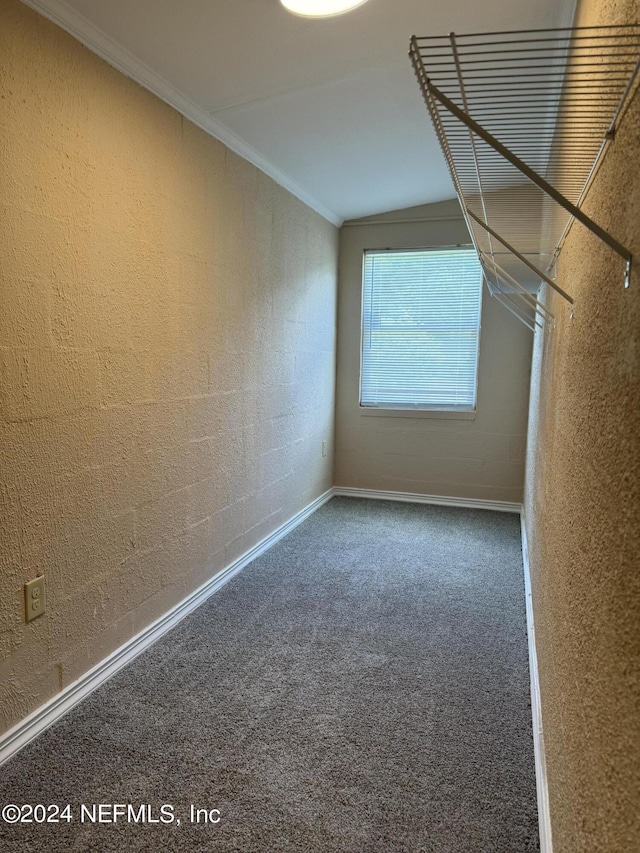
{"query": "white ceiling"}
(330, 108)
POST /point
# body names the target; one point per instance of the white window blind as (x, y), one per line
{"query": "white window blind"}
(421, 328)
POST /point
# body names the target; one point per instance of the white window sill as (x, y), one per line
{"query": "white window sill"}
(443, 414)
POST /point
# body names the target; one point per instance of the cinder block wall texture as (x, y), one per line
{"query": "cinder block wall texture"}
(583, 510)
(167, 340)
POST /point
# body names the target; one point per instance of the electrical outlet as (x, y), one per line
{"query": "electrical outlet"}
(324, 448)
(34, 599)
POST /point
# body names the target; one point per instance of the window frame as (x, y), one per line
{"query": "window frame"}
(408, 410)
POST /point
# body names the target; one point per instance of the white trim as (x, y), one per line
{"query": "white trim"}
(542, 790)
(49, 713)
(356, 223)
(105, 47)
(436, 414)
(439, 500)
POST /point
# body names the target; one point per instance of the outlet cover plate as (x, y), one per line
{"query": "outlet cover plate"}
(34, 598)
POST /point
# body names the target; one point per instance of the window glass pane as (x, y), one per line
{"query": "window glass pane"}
(421, 326)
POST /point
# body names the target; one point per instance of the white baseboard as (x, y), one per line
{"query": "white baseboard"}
(542, 790)
(439, 500)
(33, 725)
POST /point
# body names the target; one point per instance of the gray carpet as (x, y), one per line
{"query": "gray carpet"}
(361, 687)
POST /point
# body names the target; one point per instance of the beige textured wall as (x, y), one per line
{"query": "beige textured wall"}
(167, 356)
(479, 458)
(583, 512)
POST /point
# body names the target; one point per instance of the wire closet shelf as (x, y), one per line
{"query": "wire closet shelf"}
(523, 119)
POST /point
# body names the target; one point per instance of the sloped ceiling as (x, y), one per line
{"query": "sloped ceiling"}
(330, 108)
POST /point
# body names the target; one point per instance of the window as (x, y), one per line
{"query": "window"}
(420, 329)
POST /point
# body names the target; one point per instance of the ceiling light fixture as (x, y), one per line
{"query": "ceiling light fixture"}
(320, 8)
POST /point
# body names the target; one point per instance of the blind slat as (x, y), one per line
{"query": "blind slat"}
(421, 326)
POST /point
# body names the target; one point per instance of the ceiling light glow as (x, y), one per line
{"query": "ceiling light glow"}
(320, 8)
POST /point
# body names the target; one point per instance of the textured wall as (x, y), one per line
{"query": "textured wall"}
(167, 340)
(583, 512)
(481, 457)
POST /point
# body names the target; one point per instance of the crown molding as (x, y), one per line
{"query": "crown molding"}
(122, 60)
(357, 223)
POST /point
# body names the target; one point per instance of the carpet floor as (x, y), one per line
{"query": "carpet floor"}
(363, 686)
